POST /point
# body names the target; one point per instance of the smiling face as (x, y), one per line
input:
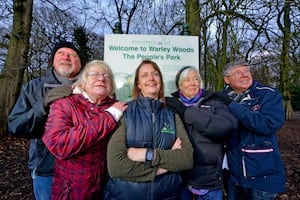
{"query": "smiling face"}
(239, 78)
(149, 81)
(98, 83)
(189, 85)
(66, 62)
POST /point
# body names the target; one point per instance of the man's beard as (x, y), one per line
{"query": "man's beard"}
(65, 72)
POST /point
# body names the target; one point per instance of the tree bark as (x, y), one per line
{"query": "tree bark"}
(284, 85)
(192, 9)
(193, 17)
(16, 61)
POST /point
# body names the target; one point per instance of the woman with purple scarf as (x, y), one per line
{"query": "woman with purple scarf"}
(208, 122)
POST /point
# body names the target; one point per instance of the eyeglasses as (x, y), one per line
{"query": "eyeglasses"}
(239, 73)
(97, 75)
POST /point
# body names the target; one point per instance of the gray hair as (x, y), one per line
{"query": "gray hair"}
(237, 63)
(82, 78)
(182, 74)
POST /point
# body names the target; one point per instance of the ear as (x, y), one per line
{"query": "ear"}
(226, 80)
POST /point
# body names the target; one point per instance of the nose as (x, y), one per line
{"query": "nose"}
(100, 77)
(151, 77)
(194, 82)
(245, 73)
(67, 56)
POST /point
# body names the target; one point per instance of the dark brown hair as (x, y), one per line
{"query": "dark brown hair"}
(136, 90)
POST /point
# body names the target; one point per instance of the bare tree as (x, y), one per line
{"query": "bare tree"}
(16, 59)
(284, 57)
(5, 29)
(226, 30)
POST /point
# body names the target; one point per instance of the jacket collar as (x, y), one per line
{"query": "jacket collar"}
(150, 104)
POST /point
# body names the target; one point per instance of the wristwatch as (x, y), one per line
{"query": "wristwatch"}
(149, 156)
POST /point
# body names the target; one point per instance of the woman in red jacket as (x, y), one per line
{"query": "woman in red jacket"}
(77, 133)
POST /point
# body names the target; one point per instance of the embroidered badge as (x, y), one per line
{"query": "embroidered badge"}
(167, 128)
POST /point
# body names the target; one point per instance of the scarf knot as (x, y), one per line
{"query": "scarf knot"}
(237, 97)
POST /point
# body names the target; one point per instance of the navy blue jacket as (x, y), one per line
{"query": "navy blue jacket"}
(27, 120)
(253, 154)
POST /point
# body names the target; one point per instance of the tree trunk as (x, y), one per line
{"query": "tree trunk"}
(193, 17)
(192, 10)
(16, 61)
(285, 61)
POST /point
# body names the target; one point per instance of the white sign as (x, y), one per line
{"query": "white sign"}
(125, 52)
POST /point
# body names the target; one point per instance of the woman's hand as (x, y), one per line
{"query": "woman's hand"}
(120, 106)
(137, 154)
(177, 144)
(117, 110)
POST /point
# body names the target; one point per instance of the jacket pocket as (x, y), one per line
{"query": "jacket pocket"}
(257, 161)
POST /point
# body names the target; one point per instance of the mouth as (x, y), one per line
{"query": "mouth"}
(66, 63)
(244, 81)
(192, 89)
(151, 84)
(99, 85)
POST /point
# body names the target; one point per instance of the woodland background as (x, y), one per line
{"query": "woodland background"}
(266, 32)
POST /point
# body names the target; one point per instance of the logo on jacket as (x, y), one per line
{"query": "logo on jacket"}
(167, 128)
(256, 107)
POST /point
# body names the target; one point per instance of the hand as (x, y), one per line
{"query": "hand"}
(177, 144)
(223, 97)
(117, 110)
(122, 106)
(175, 105)
(161, 171)
(56, 93)
(137, 154)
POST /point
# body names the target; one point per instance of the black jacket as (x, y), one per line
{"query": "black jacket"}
(208, 125)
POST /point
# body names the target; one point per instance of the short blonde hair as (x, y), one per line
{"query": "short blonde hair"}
(100, 64)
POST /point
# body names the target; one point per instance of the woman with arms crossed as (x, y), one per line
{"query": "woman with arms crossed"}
(150, 146)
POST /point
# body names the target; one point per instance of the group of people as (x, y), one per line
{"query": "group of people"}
(194, 145)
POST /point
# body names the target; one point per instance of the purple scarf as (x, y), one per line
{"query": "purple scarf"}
(192, 101)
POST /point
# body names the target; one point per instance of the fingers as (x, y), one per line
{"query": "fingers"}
(120, 106)
(177, 144)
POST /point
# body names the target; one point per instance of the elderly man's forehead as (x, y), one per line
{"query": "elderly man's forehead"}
(239, 66)
(66, 49)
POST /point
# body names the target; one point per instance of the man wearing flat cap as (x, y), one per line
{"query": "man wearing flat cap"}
(29, 115)
(256, 169)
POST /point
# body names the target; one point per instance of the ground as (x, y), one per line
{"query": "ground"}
(15, 181)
